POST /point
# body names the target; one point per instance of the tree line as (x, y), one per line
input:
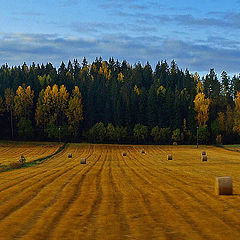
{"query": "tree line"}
(109, 101)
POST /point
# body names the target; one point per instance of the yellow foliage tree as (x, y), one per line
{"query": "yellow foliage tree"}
(23, 102)
(201, 104)
(120, 77)
(236, 127)
(52, 106)
(2, 107)
(75, 111)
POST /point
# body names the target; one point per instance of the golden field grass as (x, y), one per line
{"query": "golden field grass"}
(140, 196)
(12, 151)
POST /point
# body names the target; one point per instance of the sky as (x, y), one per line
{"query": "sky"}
(198, 35)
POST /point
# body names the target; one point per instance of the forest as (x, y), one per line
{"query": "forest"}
(116, 102)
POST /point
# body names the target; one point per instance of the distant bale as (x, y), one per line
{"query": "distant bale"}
(169, 157)
(143, 151)
(22, 159)
(124, 154)
(204, 158)
(223, 186)
(69, 155)
(83, 161)
(175, 143)
(204, 153)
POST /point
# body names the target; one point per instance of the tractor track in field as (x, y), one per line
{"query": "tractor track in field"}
(203, 204)
(98, 199)
(13, 181)
(117, 198)
(37, 176)
(33, 192)
(71, 200)
(36, 188)
(145, 201)
(140, 196)
(52, 201)
(175, 204)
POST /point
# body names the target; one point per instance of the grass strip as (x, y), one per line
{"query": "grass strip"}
(226, 148)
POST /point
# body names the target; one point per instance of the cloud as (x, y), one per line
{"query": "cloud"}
(146, 13)
(97, 27)
(42, 48)
(228, 20)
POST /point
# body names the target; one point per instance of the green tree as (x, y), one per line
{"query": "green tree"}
(120, 133)
(25, 128)
(177, 136)
(110, 132)
(9, 102)
(203, 135)
(165, 135)
(97, 132)
(140, 132)
(155, 134)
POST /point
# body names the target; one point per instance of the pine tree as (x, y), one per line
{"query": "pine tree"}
(9, 102)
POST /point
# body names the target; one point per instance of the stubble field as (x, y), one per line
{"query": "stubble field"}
(12, 151)
(140, 196)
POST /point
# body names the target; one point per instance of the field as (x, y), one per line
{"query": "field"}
(140, 196)
(12, 151)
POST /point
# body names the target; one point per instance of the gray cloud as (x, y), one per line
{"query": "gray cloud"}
(96, 27)
(17, 48)
(229, 20)
(143, 15)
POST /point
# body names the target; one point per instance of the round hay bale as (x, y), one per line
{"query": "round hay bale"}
(124, 154)
(83, 161)
(223, 186)
(169, 157)
(204, 153)
(69, 155)
(175, 143)
(22, 159)
(204, 158)
(143, 151)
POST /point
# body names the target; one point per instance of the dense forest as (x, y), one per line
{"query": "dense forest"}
(109, 101)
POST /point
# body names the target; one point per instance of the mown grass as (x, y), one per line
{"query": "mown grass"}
(17, 165)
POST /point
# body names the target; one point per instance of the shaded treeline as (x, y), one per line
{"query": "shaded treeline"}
(109, 101)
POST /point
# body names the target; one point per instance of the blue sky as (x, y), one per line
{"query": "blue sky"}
(199, 35)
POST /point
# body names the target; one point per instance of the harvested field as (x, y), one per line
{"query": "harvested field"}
(12, 151)
(139, 196)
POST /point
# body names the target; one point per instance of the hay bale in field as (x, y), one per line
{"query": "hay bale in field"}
(223, 186)
(22, 159)
(175, 143)
(83, 161)
(169, 157)
(204, 158)
(143, 151)
(203, 153)
(124, 154)
(69, 155)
